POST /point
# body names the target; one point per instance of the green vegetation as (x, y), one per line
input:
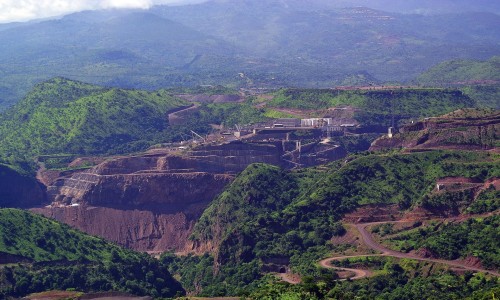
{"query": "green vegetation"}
(377, 107)
(484, 95)
(488, 200)
(475, 237)
(63, 116)
(275, 114)
(268, 214)
(478, 79)
(397, 279)
(229, 114)
(42, 239)
(68, 259)
(457, 71)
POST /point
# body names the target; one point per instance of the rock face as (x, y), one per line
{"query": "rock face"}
(134, 190)
(152, 230)
(150, 202)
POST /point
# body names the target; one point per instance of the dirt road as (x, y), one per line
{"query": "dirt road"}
(369, 241)
(358, 273)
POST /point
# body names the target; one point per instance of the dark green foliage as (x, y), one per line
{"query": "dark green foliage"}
(268, 214)
(478, 237)
(396, 283)
(63, 116)
(65, 258)
(142, 277)
(198, 272)
(18, 188)
(448, 201)
(488, 200)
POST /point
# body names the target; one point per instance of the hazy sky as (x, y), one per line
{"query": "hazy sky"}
(24, 10)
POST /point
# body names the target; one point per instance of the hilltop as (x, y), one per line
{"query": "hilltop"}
(378, 107)
(480, 80)
(65, 116)
(463, 72)
(269, 219)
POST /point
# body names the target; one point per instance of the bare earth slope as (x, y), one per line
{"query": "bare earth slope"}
(150, 202)
(467, 129)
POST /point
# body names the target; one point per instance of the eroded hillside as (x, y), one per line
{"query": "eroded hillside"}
(463, 129)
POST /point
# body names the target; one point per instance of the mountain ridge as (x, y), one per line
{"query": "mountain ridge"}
(252, 46)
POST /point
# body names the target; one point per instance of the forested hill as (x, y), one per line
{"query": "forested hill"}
(462, 72)
(268, 214)
(480, 80)
(53, 255)
(64, 116)
(377, 107)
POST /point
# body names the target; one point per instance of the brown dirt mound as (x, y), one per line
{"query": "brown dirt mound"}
(86, 161)
(473, 261)
(446, 180)
(425, 253)
(52, 295)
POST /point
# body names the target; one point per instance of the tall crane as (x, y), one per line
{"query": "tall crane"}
(194, 135)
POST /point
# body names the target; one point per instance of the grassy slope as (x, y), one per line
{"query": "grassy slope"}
(95, 265)
(462, 70)
(42, 239)
(377, 105)
(465, 72)
(63, 116)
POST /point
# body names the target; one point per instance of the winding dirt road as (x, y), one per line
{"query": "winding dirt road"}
(358, 273)
(371, 243)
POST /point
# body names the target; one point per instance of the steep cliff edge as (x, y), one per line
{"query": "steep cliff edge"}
(150, 202)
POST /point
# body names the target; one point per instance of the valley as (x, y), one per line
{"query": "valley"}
(275, 150)
(289, 172)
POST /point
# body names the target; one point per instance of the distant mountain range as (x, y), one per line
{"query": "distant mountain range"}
(243, 43)
(413, 6)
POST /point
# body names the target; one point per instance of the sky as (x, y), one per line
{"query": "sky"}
(25, 10)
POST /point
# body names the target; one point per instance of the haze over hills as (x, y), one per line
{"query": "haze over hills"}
(281, 149)
(415, 6)
(241, 43)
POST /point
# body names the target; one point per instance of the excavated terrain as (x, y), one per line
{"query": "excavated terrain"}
(460, 130)
(150, 202)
